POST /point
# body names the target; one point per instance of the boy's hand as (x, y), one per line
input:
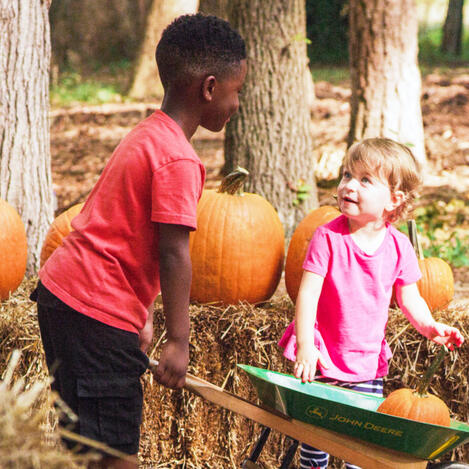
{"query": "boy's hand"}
(445, 335)
(172, 367)
(306, 363)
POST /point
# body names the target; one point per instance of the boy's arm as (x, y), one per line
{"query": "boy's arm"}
(175, 279)
(305, 317)
(417, 312)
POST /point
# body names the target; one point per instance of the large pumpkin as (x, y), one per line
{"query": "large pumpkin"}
(299, 245)
(418, 404)
(13, 250)
(238, 249)
(437, 283)
(60, 228)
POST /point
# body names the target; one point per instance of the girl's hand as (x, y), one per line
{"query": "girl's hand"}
(445, 335)
(306, 363)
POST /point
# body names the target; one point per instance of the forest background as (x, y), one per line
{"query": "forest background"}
(95, 53)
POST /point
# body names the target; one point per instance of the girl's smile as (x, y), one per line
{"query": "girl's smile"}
(363, 198)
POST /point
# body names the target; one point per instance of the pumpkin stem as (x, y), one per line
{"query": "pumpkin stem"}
(414, 239)
(427, 377)
(233, 182)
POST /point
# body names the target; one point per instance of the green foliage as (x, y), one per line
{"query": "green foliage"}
(430, 48)
(101, 85)
(327, 29)
(72, 88)
(303, 192)
(335, 75)
(444, 231)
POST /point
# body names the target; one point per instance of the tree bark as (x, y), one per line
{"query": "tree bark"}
(271, 134)
(213, 7)
(385, 77)
(146, 82)
(25, 174)
(452, 29)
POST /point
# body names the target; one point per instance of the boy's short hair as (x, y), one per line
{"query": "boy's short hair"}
(393, 163)
(198, 44)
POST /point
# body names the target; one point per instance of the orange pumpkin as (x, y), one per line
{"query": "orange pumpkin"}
(437, 283)
(238, 249)
(419, 404)
(299, 245)
(59, 228)
(13, 250)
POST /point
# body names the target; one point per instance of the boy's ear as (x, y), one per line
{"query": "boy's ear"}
(208, 87)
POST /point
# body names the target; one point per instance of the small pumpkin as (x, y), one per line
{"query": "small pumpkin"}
(237, 251)
(437, 283)
(299, 246)
(13, 249)
(419, 404)
(59, 229)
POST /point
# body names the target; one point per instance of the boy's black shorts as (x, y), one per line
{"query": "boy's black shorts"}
(96, 371)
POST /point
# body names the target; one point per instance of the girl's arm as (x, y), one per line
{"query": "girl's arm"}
(416, 311)
(307, 354)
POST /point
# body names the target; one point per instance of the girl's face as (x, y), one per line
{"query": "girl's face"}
(364, 197)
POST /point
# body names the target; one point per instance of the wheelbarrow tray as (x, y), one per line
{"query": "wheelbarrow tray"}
(353, 413)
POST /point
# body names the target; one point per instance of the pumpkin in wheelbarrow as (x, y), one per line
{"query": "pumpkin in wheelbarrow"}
(418, 404)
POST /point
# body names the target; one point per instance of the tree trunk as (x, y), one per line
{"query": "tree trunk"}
(385, 78)
(213, 7)
(452, 29)
(25, 175)
(85, 33)
(146, 82)
(271, 134)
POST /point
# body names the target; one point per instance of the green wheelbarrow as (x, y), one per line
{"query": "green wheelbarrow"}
(342, 422)
(353, 415)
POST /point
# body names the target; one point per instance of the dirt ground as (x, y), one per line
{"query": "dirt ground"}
(83, 138)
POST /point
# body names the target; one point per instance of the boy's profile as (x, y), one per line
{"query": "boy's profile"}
(130, 241)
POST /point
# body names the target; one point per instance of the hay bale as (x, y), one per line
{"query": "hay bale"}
(182, 430)
(412, 355)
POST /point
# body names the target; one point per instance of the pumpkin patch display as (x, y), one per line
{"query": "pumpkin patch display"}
(299, 245)
(13, 249)
(58, 230)
(419, 404)
(437, 283)
(238, 249)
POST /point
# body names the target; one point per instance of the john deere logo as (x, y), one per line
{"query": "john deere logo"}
(316, 412)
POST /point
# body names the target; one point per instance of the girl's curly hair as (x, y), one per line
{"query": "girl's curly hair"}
(393, 163)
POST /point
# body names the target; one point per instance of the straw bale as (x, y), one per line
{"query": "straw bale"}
(180, 429)
(412, 356)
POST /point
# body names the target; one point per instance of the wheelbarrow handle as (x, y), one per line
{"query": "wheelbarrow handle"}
(358, 452)
(193, 384)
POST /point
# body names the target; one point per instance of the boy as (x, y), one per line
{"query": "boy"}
(96, 292)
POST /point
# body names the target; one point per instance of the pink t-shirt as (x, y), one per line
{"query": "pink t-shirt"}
(108, 267)
(353, 305)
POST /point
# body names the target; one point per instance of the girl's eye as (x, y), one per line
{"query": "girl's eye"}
(347, 175)
(366, 180)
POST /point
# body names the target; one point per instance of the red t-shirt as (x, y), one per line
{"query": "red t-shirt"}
(108, 267)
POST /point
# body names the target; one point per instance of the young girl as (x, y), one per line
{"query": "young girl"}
(352, 263)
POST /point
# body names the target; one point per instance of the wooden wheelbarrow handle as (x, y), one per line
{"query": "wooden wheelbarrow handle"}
(350, 449)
